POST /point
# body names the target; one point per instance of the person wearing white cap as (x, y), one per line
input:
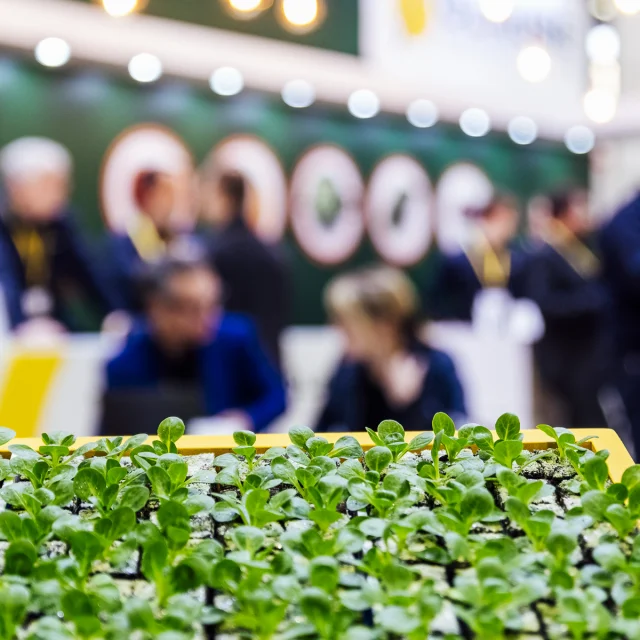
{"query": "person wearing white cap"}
(43, 260)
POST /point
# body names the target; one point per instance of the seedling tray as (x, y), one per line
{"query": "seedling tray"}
(618, 461)
(365, 536)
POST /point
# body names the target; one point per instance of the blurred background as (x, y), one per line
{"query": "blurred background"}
(261, 213)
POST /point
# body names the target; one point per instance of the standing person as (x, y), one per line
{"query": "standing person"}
(620, 244)
(151, 235)
(387, 372)
(44, 263)
(490, 262)
(186, 340)
(574, 355)
(256, 279)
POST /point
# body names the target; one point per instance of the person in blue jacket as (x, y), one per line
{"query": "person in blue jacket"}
(187, 340)
(620, 247)
(45, 264)
(387, 372)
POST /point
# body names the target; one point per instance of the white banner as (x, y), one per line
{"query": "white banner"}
(454, 54)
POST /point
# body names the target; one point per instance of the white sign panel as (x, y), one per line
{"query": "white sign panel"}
(454, 54)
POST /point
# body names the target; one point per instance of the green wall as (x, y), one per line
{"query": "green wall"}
(86, 110)
(338, 31)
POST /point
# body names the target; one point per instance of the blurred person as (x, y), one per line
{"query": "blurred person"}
(491, 262)
(164, 221)
(387, 372)
(620, 245)
(187, 340)
(256, 278)
(574, 355)
(44, 263)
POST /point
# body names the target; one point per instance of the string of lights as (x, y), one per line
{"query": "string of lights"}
(534, 63)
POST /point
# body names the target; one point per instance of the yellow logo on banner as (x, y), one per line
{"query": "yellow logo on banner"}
(416, 14)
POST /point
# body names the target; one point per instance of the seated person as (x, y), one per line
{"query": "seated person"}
(45, 266)
(387, 372)
(187, 340)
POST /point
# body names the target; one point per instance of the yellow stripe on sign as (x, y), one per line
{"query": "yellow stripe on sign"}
(415, 14)
(27, 381)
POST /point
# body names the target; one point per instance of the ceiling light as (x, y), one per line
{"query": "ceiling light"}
(53, 52)
(364, 104)
(600, 105)
(301, 16)
(603, 44)
(245, 6)
(246, 9)
(496, 10)
(522, 130)
(475, 122)
(580, 139)
(119, 8)
(298, 94)
(300, 13)
(534, 63)
(226, 81)
(145, 67)
(422, 113)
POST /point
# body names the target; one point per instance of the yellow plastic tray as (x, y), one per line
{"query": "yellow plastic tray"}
(618, 461)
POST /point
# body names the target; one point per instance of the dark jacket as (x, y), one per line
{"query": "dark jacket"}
(70, 272)
(456, 285)
(574, 355)
(234, 372)
(620, 246)
(353, 400)
(256, 281)
(125, 268)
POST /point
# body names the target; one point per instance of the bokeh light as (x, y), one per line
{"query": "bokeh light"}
(226, 81)
(600, 105)
(53, 52)
(580, 139)
(364, 104)
(245, 6)
(628, 7)
(475, 122)
(522, 130)
(119, 8)
(422, 113)
(301, 13)
(145, 68)
(603, 44)
(298, 94)
(534, 63)
(496, 10)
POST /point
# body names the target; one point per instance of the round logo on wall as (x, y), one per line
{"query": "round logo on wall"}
(399, 210)
(138, 151)
(261, 168)
(326, 204)
(462, 189)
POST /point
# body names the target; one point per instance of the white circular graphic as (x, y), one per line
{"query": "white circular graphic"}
(267, 198)
(326, 204)
(462, 189)
(399, 210)
(138, 150)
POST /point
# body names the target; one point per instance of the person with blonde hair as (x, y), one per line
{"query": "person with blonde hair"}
(386, 372)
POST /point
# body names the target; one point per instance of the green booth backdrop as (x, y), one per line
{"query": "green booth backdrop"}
(87, 109)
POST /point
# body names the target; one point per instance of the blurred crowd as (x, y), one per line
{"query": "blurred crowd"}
(203, 307)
